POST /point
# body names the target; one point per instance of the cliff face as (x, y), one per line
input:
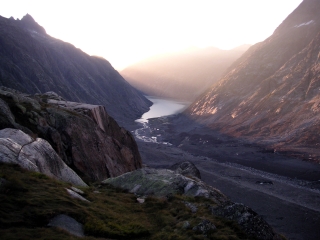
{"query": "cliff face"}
(183, 75)
(33, 62)
(271, 93)
(85, 137)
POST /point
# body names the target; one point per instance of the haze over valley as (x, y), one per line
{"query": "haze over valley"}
(196, 141)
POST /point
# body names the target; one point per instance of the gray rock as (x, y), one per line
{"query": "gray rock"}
(9, 153)
(204, 227)
(191, 206)
(250, 222)
(186, 225)
(68, 224)
(187, 169)
(140, 200)
(163, 182)
(76, 195)
(35, 155)
(16, 135)
(77, 190)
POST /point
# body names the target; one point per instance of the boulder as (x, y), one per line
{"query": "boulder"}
(187, 169)
(35, 155)
(164, 182)
(68, 224)
(252, 223)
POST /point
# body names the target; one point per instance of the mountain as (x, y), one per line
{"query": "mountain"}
(31, 61)
(271, 94)
(182, 75)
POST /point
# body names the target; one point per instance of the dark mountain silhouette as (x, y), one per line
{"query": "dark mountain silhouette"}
(271, 94)
(183, 75)
(33, 62)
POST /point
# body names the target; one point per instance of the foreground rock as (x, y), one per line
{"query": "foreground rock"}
(84, 136)
(250, 221)
(68, 224)
(35, 155)
(166, 183)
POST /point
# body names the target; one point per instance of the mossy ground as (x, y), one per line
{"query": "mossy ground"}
(29, 200)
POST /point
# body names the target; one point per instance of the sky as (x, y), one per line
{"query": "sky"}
(127, 31)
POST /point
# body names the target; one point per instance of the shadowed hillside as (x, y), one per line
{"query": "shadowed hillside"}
(33, 62)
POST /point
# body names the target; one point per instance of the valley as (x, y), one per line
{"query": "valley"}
(284, 190)
(247, 119)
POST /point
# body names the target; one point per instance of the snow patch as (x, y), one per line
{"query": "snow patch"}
(304, 24)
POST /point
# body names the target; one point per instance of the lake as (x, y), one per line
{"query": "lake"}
(162, 107)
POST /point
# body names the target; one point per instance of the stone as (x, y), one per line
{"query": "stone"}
(191, 206)
(140, 200)
(35, 155)
(163, 183)
(68, 224)
(16, 135)
(204, 227)
(77, 190)
(186, 225)
(76, 195)
(249, 221)
(187, 169)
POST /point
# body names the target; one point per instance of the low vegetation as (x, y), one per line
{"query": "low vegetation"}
(29, 200)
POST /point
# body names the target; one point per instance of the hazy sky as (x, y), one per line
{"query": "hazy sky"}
(126, 31)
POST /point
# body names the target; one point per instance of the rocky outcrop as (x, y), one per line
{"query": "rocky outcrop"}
(253, 224)
(68, 224)
(33, 62)
(35, 155)
(271, 94)
(182, 75)
(166, 183)
(84, 136)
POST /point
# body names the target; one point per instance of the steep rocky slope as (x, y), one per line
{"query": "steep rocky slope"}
(183, 75)
(271, 94)
(84, 136)
(33, 62)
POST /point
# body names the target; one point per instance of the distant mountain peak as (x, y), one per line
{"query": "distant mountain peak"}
(29, 23)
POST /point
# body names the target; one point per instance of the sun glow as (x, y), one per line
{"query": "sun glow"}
(126, 31)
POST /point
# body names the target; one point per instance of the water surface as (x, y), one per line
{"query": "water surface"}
(162, 107)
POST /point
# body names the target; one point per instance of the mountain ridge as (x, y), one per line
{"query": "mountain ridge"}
(261, 97)
(34, 62)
